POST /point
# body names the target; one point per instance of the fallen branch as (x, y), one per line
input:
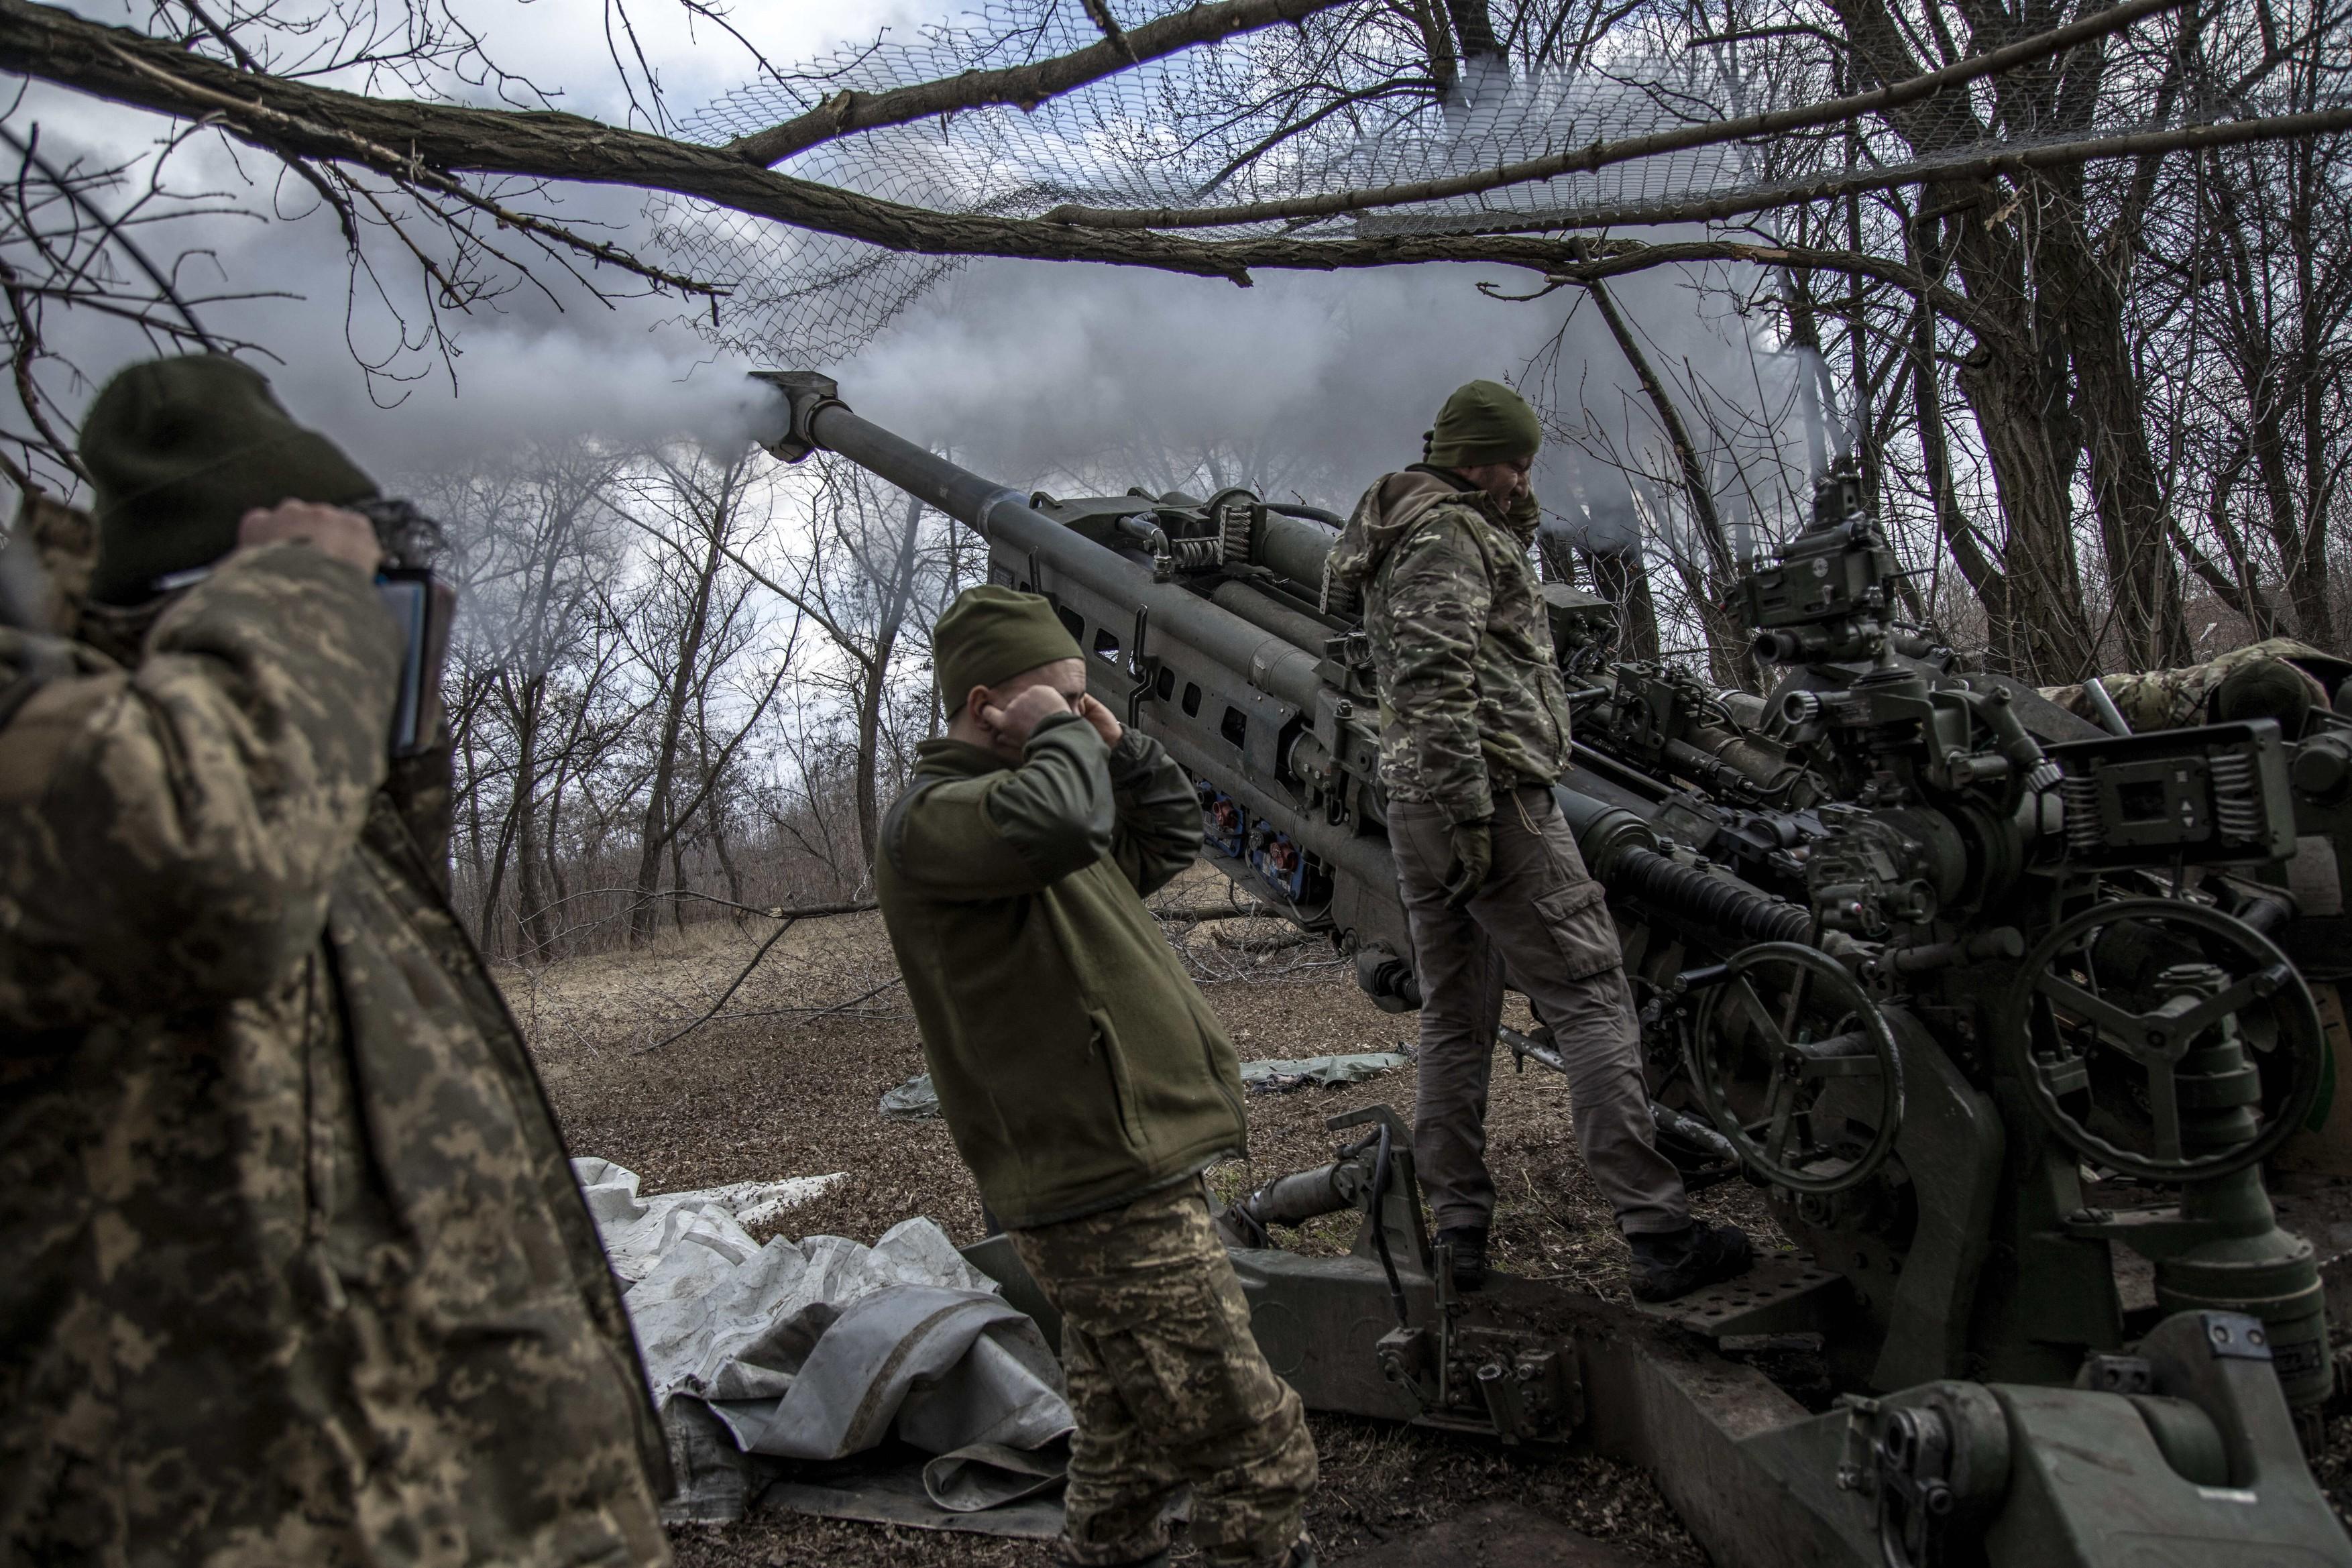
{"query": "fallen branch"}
(772, 912)
(1271, 941)
(774, 937)
(895, 980)
(1197, 914)
(812, 1015)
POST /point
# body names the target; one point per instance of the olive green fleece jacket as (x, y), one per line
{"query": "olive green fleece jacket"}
(1078, 1067)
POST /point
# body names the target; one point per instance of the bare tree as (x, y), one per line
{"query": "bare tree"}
(534, 663)
(691, 623)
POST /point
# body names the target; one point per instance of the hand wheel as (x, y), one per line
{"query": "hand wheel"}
(2114, 1002)
(1778, 1026)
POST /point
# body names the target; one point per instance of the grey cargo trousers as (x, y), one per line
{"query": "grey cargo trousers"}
(1539, 917)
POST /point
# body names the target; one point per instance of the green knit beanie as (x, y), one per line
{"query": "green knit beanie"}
(1483, 422)
(992, 633)
(179, 450)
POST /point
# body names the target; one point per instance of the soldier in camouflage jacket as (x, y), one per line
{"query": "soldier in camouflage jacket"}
(297, 1270)
(1474, 732)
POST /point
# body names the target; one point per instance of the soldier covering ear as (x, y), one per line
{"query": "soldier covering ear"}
(1087, 1084)
(285, 1136)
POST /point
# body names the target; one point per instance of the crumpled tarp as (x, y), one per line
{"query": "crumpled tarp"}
(1278, 1075)
(639, 1230)
(916, 1100)
(821, 1349)
(912, 1101)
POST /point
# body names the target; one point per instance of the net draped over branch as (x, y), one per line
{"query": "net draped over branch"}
(1349, 112)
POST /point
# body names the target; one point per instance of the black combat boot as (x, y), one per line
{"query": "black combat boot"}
(1670, 1263)
(1469, 1244)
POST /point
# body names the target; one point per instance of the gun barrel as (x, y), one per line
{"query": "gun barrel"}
(976, 502)
(1006, 518)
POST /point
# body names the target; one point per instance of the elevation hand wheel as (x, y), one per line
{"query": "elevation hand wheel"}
(2169, 1024)
(1796, 1066)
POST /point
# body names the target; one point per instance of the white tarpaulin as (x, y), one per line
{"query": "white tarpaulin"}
(821, 1349)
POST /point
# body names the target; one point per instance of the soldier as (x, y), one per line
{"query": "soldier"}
(1087, 1083)
(1473, 735)
(2277, 677)
(296, 1269)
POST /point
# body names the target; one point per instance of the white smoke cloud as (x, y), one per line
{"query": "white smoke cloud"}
(1308, 381)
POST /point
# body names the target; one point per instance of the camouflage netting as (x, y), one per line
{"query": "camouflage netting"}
(1221, 125)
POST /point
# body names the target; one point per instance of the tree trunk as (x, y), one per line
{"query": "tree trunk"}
(1622, 578)
(876, 689)
(558, 887)
(717, 820)
(677, 879)
(530, 853)
(2306, 567)
(474, 836)
(2134, 530)
(2052, 638)
(1729, 660)
(491, 936)
(2018, 382)
(657, 826)
(1952, 526)
(870, 729)
(530, 895)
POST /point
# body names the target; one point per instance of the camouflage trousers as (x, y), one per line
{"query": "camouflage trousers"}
(1168, 1387)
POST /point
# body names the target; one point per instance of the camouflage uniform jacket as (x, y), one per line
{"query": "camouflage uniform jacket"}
(1077, 1065)
(2175, 699)
(297, 1270)
(1471, 701)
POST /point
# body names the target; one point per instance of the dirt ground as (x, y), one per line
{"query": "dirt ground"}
(785, 1081)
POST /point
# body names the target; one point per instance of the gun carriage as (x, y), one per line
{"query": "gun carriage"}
(1914, 950)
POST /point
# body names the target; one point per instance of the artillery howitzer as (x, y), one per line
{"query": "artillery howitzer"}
(1970, 947)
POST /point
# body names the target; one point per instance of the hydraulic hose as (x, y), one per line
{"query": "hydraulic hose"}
(1623, 852)
(1671, 887)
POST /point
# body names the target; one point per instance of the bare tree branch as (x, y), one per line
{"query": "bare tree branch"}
(1024, 87)
(1969, 164)
(428, 144)
(1600, 154)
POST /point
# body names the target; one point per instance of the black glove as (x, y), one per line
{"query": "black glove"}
(1474, 856)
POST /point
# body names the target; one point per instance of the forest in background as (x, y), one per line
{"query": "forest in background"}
(683, 687)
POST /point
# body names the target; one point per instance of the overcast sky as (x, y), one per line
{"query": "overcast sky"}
(1016, 366)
